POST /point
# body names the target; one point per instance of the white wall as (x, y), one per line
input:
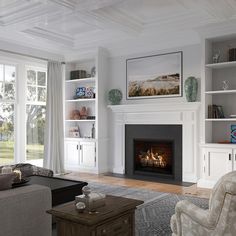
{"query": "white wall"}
(117, 79)
(191, 67)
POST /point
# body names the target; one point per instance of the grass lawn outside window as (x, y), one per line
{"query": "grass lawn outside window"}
(34, 151)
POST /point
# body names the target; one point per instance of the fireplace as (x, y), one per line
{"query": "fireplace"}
(153, 151)
(153, 156)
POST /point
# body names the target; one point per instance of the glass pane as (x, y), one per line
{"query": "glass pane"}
(31, 93)
(35, 131)
(6, 133)
(31, 77)
(1, 90)
(1, 72)
(10, 74)
(41, 78)
(42, 94)
(9, 91)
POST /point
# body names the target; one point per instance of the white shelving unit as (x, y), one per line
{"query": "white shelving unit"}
(222, 65)
(221, 92)
(218, 155)
(84, 152)
(221, 119)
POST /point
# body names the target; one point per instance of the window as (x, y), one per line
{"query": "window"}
(35, 114)
(7, 112)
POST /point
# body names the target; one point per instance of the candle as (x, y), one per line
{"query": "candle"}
(18, 174)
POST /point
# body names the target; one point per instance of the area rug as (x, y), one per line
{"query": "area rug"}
(153, 217)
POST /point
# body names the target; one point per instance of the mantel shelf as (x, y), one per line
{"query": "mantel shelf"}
(221, 92)
(221, 65)
(152, 107)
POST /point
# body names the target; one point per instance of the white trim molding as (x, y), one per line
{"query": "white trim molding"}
(185, 114)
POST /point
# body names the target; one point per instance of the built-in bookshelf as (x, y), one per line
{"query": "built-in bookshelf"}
(219, 90)
(85, 113)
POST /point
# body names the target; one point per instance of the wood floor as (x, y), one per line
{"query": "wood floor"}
(160, 187)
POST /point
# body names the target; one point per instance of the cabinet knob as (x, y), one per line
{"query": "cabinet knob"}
(104, 232)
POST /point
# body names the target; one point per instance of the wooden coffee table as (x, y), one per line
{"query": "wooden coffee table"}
(115, 218)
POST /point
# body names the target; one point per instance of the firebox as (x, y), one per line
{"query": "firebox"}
(153, 152)
(153, 156)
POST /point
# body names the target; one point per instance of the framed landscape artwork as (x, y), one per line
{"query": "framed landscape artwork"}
(155, 76)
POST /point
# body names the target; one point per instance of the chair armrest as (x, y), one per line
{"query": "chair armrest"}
(197, 214)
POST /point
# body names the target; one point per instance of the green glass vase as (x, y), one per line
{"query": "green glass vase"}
(191, 89)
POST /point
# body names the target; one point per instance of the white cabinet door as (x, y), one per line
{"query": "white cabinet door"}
(87, 154)
(234, 159)
(71, 153)
(217, 162)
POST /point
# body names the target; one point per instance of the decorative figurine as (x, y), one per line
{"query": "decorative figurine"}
(93, 71)
(83, 113)
(225, 84)
(80, 206)
(216, 57)
(75, 115)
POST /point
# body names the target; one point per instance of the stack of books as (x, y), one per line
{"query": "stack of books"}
(215, 112)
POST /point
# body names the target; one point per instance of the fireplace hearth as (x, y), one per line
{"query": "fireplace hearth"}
(153, 151)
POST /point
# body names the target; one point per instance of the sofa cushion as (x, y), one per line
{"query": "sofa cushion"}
(6, 181)
(28, 170)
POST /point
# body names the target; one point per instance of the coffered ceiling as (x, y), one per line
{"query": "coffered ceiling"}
(65, 26)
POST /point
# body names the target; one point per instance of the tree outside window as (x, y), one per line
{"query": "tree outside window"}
(7, 104)
(36, 111)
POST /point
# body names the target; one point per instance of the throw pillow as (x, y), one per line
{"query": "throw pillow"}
(6, 181)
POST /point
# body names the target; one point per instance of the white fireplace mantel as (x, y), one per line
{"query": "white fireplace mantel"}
(185, 114)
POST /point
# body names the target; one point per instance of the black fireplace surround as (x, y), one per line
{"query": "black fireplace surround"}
(145, 141)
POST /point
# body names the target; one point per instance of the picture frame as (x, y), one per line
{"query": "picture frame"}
(155, 76)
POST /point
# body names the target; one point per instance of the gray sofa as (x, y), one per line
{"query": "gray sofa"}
(23, 211)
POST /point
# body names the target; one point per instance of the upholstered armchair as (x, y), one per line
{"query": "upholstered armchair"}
(219, 220)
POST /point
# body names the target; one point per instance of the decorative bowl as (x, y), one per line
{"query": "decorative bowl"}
(115, 96)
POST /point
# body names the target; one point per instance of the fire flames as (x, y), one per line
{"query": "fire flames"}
(151, 159)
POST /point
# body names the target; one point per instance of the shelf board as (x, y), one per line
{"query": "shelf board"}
(91, 79)
(222, 65)
(81, 100)
(221, 119)
(88, 120)
(221, 92)
(222, 145)
(81, 139)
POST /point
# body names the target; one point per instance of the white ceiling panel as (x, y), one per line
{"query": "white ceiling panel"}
(69, 25)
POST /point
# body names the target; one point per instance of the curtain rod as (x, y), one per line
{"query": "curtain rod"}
(27, 55)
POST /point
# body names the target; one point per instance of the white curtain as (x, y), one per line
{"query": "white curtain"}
(54, 128)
